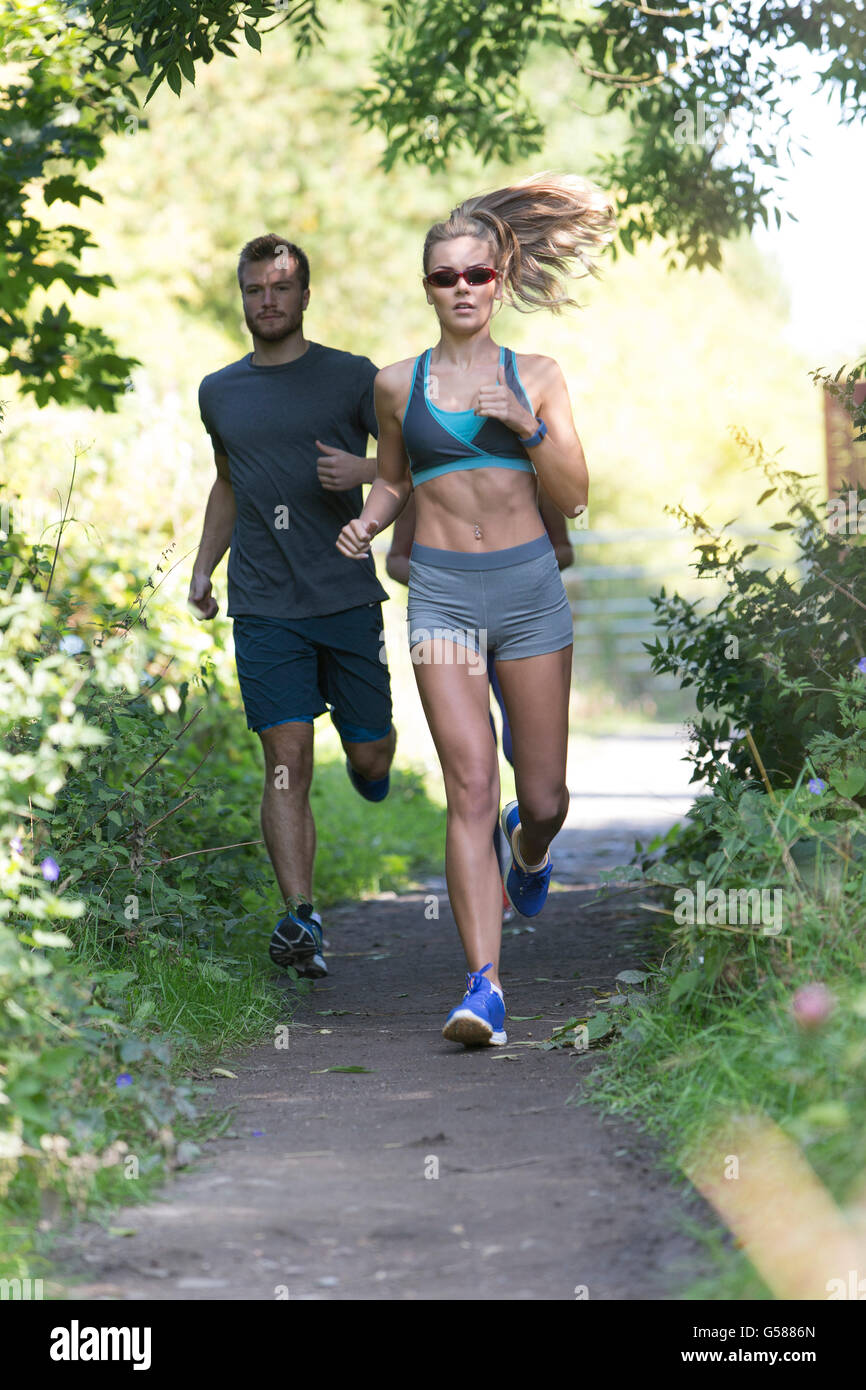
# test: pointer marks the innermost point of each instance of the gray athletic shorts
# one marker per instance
(511, 602)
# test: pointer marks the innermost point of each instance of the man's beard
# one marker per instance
(273, 330)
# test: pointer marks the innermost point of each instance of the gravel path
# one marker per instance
(439, 1172)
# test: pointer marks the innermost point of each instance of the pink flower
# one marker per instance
(812, 1005)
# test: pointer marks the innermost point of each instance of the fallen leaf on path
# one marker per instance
(524, 1018)
(505, 1057)
(122, 1231)
(321, 1070)
(222, 1071)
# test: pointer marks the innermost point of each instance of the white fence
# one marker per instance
(610, 600)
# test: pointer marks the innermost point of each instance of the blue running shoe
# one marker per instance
(479, 1020)
(370, 790)
(297, 942)
(527, 892)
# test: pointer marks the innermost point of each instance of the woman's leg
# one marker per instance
(506, 731)
(536, 690)
(455, 695)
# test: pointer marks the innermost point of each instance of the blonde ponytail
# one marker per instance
(541, 230)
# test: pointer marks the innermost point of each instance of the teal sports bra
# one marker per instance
(447, 441)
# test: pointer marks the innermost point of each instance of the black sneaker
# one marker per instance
(297, 942)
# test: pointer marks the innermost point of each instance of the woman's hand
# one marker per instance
(500, 403)
(355, 537)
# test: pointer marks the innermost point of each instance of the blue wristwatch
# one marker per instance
(534, 438)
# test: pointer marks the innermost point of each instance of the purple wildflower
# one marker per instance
(50, 869)
(817, 786)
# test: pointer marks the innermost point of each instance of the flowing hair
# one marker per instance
(542, 230)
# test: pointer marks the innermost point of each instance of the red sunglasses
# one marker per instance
(447, 279)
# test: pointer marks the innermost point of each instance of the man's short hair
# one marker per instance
(269, 247)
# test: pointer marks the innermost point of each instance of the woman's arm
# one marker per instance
(387, 497)
(558, 459)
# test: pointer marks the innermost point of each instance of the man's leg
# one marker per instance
(372, 759)
(355, 682)
(287, 820)
(277, 670)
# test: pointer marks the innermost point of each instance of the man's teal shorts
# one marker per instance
(296, 669)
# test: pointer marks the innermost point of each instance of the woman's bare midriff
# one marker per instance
(478, 509)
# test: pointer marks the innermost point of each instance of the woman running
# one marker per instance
(397, 566)
(474, 428)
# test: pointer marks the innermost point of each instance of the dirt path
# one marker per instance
(321, 1192)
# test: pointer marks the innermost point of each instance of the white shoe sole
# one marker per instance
(467, 1028)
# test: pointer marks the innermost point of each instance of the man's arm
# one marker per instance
(339, 471)
(397, 559)
(556, 528)
(219, 521)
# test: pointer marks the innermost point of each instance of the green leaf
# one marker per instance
(157, 81)
(847, 784)
(598, 1026)
(253, 37)
(126, 725)
(322, 1070)
(665, 873)
(684, 984)
(49, 938)
(187, 66)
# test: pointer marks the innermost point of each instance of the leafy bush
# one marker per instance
(757, 1003)
(64, 1045)
(129, 819)
(764, 659)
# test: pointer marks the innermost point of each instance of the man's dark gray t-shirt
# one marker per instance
(283, 561)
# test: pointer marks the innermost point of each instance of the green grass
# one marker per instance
(179, 994)
(681, 1069)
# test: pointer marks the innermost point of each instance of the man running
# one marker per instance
(289, 424)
